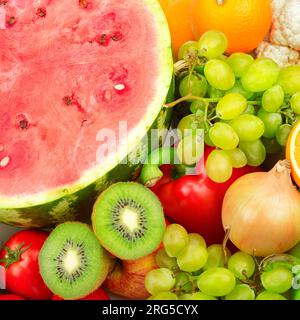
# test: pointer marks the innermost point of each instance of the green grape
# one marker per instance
(219, 74)
(197, 106)
(231, 106)
(190, 125)
(201, 296)
(250, 110)
(296, 294)
(277, 280)
(239, 62)
(260, 75)
(186, 296)
(273, 98)
(266, 295)
(175, 239)
(271, 145)
(194, 256)
(238, 158)
(242, 265)
(295, 102)
(187, 49)
(197, 240)
(164, 261)
(241, 292)
(255, 152)
(195, 85)
(216, 257)
(215, 93)
(286, 261)
(272, 122)
(248, 127)
(159, 280)
(219, 166)
(216, 282)
(212, 44)
(223, 136)
(208, 141)
(190, 149)
(238, 88)
(165, 295)
(289, 79)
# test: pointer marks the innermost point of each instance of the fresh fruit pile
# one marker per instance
(189, 270)
(247, 107)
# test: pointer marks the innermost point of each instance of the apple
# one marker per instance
(127, 278)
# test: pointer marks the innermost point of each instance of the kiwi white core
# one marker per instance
(71, 261)
(130, 218)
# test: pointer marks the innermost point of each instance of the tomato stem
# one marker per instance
(13, 256)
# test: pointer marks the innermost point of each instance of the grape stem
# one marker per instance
(209, 100)
(213, 118)
(190, 97)
(189, 79)
(287, 115)
(225, 241)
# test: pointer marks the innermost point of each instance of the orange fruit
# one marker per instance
(293, 152)
(245, 22)
(165, 3)
(178, 16)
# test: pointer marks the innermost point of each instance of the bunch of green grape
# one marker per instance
(246, 107)
(189, 270)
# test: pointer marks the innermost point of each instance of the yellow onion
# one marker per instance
(262, 212)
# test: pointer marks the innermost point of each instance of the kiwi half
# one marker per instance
(72, 262)
(128, 219)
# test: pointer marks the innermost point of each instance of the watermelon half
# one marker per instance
(70, 69)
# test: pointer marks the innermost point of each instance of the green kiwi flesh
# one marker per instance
(72, 262)
(129, 221)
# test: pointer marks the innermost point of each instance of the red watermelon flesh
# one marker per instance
(69, 68)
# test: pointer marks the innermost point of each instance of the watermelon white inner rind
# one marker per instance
(43, 166)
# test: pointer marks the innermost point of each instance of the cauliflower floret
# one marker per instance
(286, 25)
(280, 54)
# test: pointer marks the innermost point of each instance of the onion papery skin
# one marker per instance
(262, 211)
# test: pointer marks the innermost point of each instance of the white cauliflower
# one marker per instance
(283, 45)
(286, 23)
(282, 55)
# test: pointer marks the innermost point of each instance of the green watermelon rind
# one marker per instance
(75, 201)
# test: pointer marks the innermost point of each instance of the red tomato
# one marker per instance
(99, 294)
(9, 296)
(195, 201)
(20, 258)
